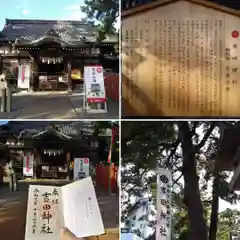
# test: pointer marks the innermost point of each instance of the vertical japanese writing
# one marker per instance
(156, 64)
(81, 165)
(210, 54)
(172, 90)
(46, 214)
(163, 229)
(207, 85)
(215, 67)
(35, 204)
(186, 105)
(160, 65)
(49, 199)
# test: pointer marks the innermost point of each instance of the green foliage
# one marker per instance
(100, 128)
(146, 145)
(104, 12)
(229, 221)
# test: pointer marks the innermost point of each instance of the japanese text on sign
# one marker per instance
(188, 67)
(44, 215)
(163, 229)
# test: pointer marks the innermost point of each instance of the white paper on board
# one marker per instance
(44, 213)
(81, 210)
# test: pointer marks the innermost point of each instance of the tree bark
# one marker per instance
(197, 223)
(214, 209)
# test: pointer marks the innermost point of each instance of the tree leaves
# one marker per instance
(146, 145)
(104, 12)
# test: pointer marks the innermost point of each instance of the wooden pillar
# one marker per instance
(68, 159)
(35, 163)
(69, 67)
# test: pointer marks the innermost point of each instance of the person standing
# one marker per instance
(71, 169)
(12, 176)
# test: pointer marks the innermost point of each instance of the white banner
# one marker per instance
(94, 84)
(164, 184)
(28, 159)
(81, 168)
(24, 75)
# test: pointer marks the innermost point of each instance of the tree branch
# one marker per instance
(205, 137)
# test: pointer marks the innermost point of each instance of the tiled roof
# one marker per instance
(30, 128)
(72, 33)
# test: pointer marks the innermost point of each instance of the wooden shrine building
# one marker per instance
(53, 145)
(51, 55)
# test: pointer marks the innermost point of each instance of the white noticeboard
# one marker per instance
(28, 159)
(164, 184)
(24, 76)
(81, 166)
(95, 100)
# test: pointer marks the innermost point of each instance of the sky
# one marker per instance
(41, 9)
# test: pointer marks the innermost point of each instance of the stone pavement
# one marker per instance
(54, 105)
(13, 211)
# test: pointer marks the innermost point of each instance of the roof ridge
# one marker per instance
(45, 21)
(158, 3)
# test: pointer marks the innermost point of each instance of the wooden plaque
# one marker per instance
(181, 59)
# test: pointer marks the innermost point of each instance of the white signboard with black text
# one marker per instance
(28, 159)
(74, 206)
(164, 184)
(81, 168)
(24, 75)
(95, 100)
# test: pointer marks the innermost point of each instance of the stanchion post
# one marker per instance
(3, 99)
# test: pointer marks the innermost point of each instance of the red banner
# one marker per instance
(114, 130)
(23, 73)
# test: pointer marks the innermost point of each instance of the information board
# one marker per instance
(95, 96)
(181, 59)
(81, 168)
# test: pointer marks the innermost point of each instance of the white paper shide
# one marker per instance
(164, 183)
(73, 206)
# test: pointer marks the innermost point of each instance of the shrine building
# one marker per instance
(53, 145)
(51, 55)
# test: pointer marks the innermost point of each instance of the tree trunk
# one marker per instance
(197, 223)
(214, 210)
